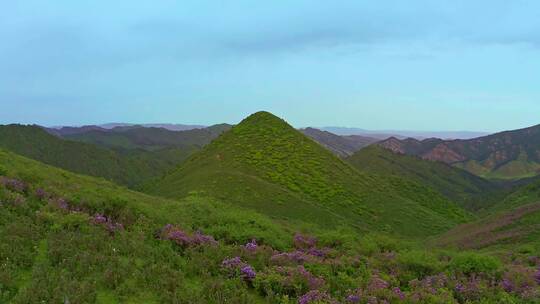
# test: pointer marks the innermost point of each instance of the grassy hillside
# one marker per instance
(265, 164)
(513, 221)
(460, 186)
(150, 139)
(130, 168)
(77, 239)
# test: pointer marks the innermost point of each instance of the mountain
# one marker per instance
(168, 126)
(62, 131)
(265, 164)
(128, 169)
(460, 186)
(401, 134)
(149, 138)
(506, 155)
(342, 146)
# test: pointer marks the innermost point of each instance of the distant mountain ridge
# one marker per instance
(506, 155)
(149, 138)
(342, 146)
(402, 134)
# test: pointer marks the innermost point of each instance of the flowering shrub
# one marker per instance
(183, 239)
(304, 242)
(251, 246)
(316, 296)
(290, 258)
(236, 267)
(13, 184)
(41, 194)
(288, 280)
(108, 223)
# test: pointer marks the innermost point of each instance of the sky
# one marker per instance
(408, 65)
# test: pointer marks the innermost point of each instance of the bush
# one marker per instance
(419, 263)
(473, 263)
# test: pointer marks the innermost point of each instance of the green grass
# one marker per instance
(265, 164)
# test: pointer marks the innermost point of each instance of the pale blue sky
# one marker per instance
(416, 65)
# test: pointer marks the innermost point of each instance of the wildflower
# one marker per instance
(378, 283)
(235, 266)
(304, 242)
(202, 239)
(295, 257)
(251, 246)
(507, 285)
(315, 296)
(537, 276)
(353, 298)
(248, 273)
(41, 194)
(13, 184)
(231, 263)
(398, 293)
(99, 219)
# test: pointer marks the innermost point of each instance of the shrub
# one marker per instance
(473, 263)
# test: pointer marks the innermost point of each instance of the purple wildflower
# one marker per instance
(378, 283)
(398, 293)
(353, 298)
(285, 258)
(232, 263)
(315, 296)
(251, 246)
(317, 252)
(459, 288)
(199, 238)
(537, 276)
(304, 242)
(13, 184)
(248, 273)
(99, 219)
(41, 194)
(507, 285)
(179, 237)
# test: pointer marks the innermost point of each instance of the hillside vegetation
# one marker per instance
(77, 239)
(265, 164)
(129, 168)
(469, 191)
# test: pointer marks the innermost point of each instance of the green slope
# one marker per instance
(510, 222)
(265, 164)
(462, 187)
(130, 168)
(52, 255)
(53, 249)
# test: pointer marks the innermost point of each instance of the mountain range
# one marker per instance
(506, 155)
(260, 212)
